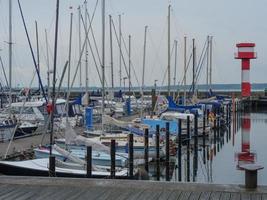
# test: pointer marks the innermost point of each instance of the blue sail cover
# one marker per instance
(180, 108)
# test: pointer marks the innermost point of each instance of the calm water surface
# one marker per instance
(251, 128)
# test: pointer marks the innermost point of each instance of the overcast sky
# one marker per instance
(228, 21)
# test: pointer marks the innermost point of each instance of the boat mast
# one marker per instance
(37, 46)
(120, 50)
(169, 51)
(143, 74)
(79, 29)
(86, 57)
(207, 51)
(54, 79)
(129, 64)
(210, 60)
(175, 68)
(111, 53)
(69, 66)
(185, 70)
(10, 55)
(48, 66)
(193, 54)
(103, 63)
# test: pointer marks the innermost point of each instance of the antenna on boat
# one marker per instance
(37, 50)
(185, 69)
(175, 68)
(86, 56)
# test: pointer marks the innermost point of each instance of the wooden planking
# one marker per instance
(174, 195)
(150, 194)
(264, 197)
(225, 196)
(205, 195)
(235, 196)
(245, 196)
(194, 196)
(215, 196)
(184, 195)
(165, 194)
(255, 196)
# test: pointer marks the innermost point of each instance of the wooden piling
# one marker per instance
(180, 150)
(157, 154)
(88, 162)
(188, 150)
(146, 149)
(112, 159)
(130, 155)
(204, 137)
(167, 145)
(52, 166)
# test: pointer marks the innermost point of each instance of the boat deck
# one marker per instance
(21, 188)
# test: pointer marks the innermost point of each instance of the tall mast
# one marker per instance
(207, 53)
(80, 44)
(175, 67)
(54, 79)
(111, 53)
(210, 61)
(194, 72)
(10, 55)
(48, 66)
(86, 56)
(143, 74)
(103, 62)
(120, 50)
(37, 46)
(129, 78)
(69, 66)
(169, 50)
(185, 63)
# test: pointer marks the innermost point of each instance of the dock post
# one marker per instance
(146, 149)
(52, 166)
(112, 159)
(208, 114)
(195, 163)
(204, 137)
(157, 153)
(88, 162)
(180, 150)
(188, 150)
(167, 161)
(130, 154)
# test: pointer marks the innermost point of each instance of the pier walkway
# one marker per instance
(21, 188)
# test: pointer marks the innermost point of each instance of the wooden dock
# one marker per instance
(21, 188)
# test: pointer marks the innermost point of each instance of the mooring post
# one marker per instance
(52, 166)
(204, 137)
(146, 149)
(251, 175)
(167, 161)
(188, 149)
(208, 114)
(88, 162)
(180, 150)
(195, 163)
(157, 154)
(130, 154)
(112, 158)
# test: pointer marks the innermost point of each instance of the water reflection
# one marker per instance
(226, 149)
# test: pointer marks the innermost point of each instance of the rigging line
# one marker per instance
(33, 57)
(82, 50)
(187, 67)
(166, 68)
(199, 72)
(156, 59)
(4, 72)
(131, 63)
(127, 73)
(90, 46)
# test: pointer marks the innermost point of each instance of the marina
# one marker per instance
(87, 118)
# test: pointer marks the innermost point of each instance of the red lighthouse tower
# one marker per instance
(245, 53)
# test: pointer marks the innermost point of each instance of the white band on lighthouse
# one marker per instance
(245, 76)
